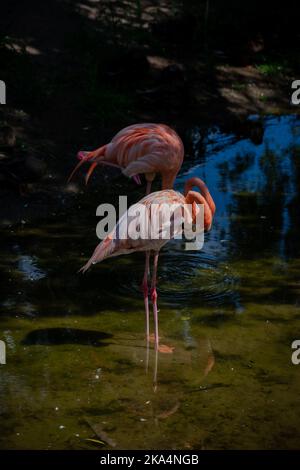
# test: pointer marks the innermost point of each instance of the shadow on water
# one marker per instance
(230, 311)
(54, 336)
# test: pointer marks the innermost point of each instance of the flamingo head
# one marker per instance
(85, 157)
(202, 197)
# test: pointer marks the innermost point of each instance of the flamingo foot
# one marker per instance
(162, 348)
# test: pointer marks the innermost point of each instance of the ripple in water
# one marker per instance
(184, 276)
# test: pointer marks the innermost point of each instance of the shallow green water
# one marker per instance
(76, 355)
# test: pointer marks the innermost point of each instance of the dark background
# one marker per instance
(77, 72)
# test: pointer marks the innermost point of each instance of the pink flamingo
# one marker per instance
(120, 240)
(141, 148)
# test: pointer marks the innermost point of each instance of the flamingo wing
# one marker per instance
(140, 148)
(126, 237)
(146, 148)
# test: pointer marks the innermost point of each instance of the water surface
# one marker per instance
(77, 366)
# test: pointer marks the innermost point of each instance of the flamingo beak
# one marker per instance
(83, 157)
(90, 171)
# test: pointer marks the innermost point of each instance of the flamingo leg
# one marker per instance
(155, 371)
(154, 299)
(146, 292)
(147, 357)
(145, 280)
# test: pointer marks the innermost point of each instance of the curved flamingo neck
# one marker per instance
(168, 180)
(197, 182)
(194, 198)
